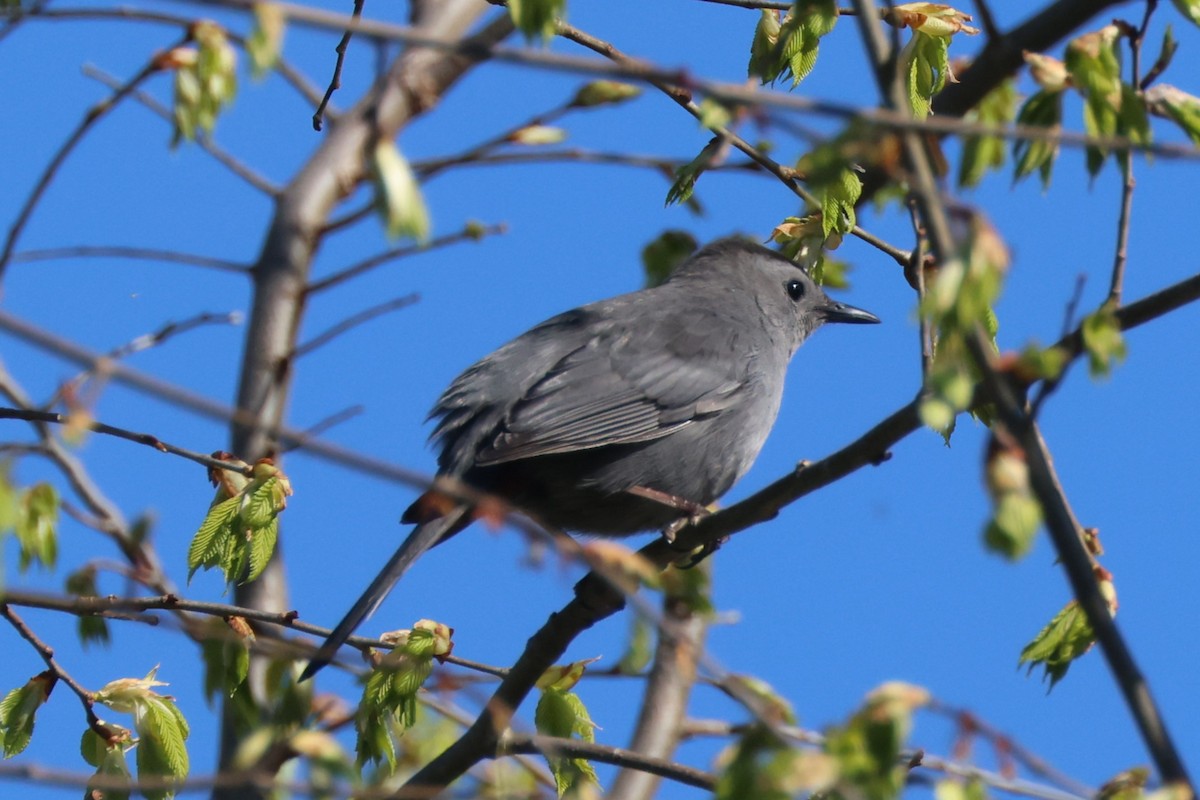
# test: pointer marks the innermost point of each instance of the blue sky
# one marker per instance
(881, 576)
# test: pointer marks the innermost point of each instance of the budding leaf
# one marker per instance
(1065, 638)
(18, 709)
(1103, 341)
(537, 17)
(397, 195)
(1042, 110)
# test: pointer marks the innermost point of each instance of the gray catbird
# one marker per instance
(615, 417)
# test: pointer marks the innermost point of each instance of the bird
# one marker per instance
(617, 417)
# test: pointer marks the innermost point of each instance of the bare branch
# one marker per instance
(46, 652)
(290, 74)
(986, 20)
(90, 118)
(121, 433)
(206, 407)
(626, 759)
(683, 97)
(202, 138)
(471, 232)
(665, 698)
(335, 82)
(1068, 539)
(351, 322)
(118, 251)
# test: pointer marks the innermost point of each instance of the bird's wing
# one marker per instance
(627, 383)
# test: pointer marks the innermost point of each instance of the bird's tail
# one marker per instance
(423, 537)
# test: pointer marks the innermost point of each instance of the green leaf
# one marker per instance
(955, 789)
(687, 175)
(599, 93)
(397, 195)
(109, 761)
(838, 198)
(1178, 106)
(1037, 363)
(262, 546)
(867, 748)
(536, 135)
(927, 62)
(789, 47)
(9, 501)
(210, 540)
(537, 17)
(759, 766)
(226, 664)
(264, 44)
(764, 63)
(92, 628)
(1110, 108)
(1043, 110)
(162, 731)
(36, 527)
(563, 714)
(1127, 785)
(389, 698)
(1065, 638)
(1189, 8)
(714, 114)
(1011, 530)
(18, 710)
(639, 649)
(205, 80)
(984, 153)
(1103, 341)
(1166, 53)
(661, 256)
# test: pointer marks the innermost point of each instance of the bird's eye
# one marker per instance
(795, 289)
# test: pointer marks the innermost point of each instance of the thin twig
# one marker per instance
(555, 747)
(1077, 562)
(683, 97)
(202, 138)
(1006, 746)
(70, 387)
(987, 21)
(47, 655)
(472, 232)
(290, 74)
(184, 399)
(331, 421)
(121, 433)
(335, 82)
(1051, 385)
(740, 94)
(1125, 216)
(119, 251)
(85, 606)
(90, 118)
(1064, 529)
(351, 322)
(924, 329)
(928, 762)
(108, 517)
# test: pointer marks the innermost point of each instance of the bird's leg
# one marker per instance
(694, 511)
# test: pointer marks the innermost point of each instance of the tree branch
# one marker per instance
(202, 138)
(90, 118)
(140, 253)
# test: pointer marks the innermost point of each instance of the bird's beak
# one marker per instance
(841, 312)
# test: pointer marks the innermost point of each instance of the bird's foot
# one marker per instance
(694, 511)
